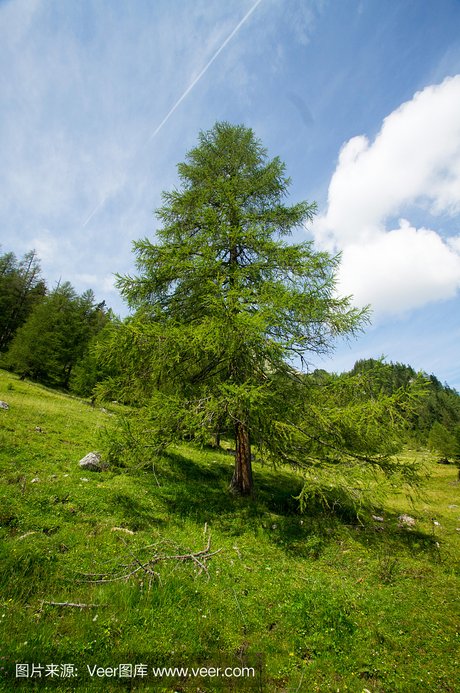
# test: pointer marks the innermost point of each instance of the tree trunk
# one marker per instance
(242, 475)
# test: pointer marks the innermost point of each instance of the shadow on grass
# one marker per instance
(136, 513)
(200, 490)
(396, 538)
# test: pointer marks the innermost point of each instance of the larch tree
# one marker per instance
(225, 309)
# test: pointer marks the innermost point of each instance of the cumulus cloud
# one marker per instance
(413, 165)
(400, 269)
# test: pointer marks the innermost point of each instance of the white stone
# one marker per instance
(92, 462)
(406, 521)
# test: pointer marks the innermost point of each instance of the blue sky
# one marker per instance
(360, 98)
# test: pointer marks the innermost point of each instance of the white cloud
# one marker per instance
(399, 270)
(413, 163)
(47, 246)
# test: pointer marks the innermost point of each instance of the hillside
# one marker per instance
(111, 568)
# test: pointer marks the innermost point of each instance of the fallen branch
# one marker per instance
(72, 604)
(139, 566)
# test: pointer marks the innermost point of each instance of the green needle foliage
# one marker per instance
(445, 442)
(226, 311)
(21, 289)
(54, 337)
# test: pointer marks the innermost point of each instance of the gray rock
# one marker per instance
(92, 462)
(4, 405)
(406, 521)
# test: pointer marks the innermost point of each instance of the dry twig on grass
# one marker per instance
(71, 604)
(140, 567)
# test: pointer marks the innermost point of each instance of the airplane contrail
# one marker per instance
(185, 94)
(204, 70)
(96, 209)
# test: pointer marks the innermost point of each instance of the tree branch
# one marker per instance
(200, 558)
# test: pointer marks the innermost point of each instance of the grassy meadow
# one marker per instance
(110, 568)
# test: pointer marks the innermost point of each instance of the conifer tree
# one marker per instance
(224, 306)
(445, 442)
(54, 337)
(21, 288)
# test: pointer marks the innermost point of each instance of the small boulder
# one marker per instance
(4, 405)
(406, 521)
(92, 462)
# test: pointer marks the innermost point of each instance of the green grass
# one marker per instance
(327, 602)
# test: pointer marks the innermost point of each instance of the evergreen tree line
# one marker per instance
(46, 335)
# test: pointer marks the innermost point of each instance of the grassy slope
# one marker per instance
(331, 604)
